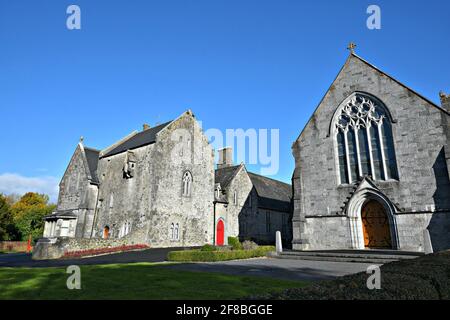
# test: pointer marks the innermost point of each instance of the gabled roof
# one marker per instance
(224, 176)
(92, 156)
(138, 140)
(273, 194)
(400, 83)
(353, 55)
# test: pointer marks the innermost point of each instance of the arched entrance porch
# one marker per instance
(372, 221)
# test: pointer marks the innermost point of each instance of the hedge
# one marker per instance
(211, 256)
(234, 243)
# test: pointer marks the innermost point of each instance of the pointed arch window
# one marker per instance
(174, 232)
(177, 232)
(187, 184)
(364, 141)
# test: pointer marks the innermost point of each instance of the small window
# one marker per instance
(111, 202)
(268, 222)
(129, 165)
(125, 229)
(218, 191)
(177, 232)
(187, 184)
(235, 199)
(172, 232)
(248, 201)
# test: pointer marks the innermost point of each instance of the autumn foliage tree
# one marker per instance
(28, 215)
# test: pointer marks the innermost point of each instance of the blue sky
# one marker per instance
(236, 64)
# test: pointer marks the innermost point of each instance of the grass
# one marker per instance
(133, 281)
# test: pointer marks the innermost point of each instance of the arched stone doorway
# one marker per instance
(368, 202)
(375, 225)
(220, 233)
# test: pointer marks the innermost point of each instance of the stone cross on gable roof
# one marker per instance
(351, 47)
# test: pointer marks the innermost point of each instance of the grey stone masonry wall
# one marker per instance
(153, 197)
(194, 214)
(55, 248)
(237, 213)
(245, 218)
(122, 200)
(420, 139)
(74, 184)
(76, 193)
(260, 224)
(445, 103)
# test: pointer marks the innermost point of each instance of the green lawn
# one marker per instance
(133, 281)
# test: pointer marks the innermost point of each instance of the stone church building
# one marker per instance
(254, 206)
(160, 187)
(371, 171)
(372, 166)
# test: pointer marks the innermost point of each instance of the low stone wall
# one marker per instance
(14, 246)
(55, 248)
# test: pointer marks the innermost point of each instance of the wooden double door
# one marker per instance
(375, 223)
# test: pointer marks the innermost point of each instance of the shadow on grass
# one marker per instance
(133, 281)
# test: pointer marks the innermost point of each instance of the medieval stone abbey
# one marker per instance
(371, 171)
(159, 187)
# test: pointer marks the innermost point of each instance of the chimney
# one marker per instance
(225, 158)
(145, 126)
(445, 101)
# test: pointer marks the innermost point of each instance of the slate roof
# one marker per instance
(92, 156)
(273, 194)
(140, 139)
(225, 175)
(61, 214)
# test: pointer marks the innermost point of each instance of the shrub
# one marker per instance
(208, 247)
(211, 256)
(234, 243)
(249, 245)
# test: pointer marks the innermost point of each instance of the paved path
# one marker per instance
(24, 259)
(276, 268)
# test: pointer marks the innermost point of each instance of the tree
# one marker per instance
(12, 198)
(7, 228)
(28, 214)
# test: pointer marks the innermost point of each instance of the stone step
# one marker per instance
(375, 256)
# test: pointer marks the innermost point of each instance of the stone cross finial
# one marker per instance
(351, 47)
(81, 139)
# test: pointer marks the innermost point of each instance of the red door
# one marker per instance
(220, 233)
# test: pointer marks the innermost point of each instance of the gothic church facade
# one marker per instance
(372, 167)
